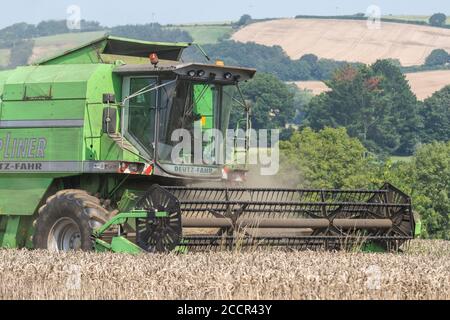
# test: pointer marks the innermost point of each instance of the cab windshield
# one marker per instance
(192, 107)
(154, 116)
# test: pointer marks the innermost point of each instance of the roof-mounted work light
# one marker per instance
(154, 58)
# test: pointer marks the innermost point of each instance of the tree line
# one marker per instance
(373, 102)
(268, 59)
(436, 20)
(347, 136)
(376, 105)
(25, 31)
(330, 158)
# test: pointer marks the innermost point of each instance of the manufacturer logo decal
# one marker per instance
(22, 148)
(20, 166)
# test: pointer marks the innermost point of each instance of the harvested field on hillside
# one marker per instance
(348, 40)
(423, 272)
(315, 87)
(423, 84)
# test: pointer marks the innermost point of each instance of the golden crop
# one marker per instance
(422, 272)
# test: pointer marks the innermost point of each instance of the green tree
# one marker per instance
(22, 31)
(374, 103)
(355, 103)
(245, 20)
(17, 31)
(432, 188)
(403, 108)
(395, 62)
(426, 178)
(51, 27)
(329, 158)
(272, 102)
(151, 32)
(438, 19)
(436, 116)
(21, 53)
(398, 173)
(301, 100)
(437, 57)
(311, 59)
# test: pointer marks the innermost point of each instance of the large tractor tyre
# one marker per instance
(67, 220)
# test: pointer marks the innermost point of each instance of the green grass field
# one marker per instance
(412, 17)
(203, 34)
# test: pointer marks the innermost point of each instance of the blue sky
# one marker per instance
(114, 12)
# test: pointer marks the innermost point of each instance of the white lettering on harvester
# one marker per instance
(22, 148)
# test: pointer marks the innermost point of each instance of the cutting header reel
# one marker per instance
(194, 218)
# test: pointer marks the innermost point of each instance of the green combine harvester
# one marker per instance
(86, 163)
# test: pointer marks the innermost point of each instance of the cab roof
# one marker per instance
(209, 72)
(108, 49)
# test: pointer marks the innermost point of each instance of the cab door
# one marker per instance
(140, 113)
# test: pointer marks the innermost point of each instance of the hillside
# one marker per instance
(46, 47)
(348, 40)
(422, 18)
(207, 33)
(423, 84)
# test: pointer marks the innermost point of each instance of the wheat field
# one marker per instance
(421, 272)
(348, 40)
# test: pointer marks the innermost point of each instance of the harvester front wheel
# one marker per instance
(67, 221)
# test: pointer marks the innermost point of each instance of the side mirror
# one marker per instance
(109, 98)
(109, 120)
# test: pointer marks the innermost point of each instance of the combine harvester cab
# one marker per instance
(86, 144)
